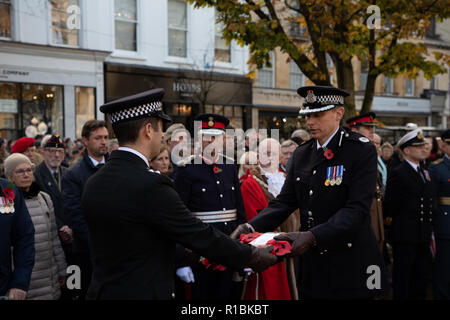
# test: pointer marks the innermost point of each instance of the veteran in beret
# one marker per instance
(408, 201)
(331, 179)
(135, 216)
(440, 178)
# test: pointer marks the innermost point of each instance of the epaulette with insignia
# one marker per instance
(438, 161)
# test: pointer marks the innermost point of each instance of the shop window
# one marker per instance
(409, 87)
(266, 74)
(42, 109)
(209, 108)
(5, 18)
(296, 76)
(388, 85)
(62, 30)
(9, 110)
(222, 50)
(84, 107)
(125, 20)
(182, 110)
(177, 18)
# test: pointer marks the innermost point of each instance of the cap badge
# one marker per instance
(419, 136)
(310, 97)
(211, 122)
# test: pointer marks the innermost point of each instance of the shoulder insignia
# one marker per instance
(364, 139)
(438, 161)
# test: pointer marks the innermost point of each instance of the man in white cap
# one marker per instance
(408, 201)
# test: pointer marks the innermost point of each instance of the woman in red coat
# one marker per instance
(271, 284)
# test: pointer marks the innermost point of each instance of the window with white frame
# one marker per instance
(363, 75)
(266, 74)
(296, 76)
(125, 21)
(330, 67)
(409, 87)
(388, 85)
(5, 18)
(177, 20)
(65, 29)
(222, 50)
(434, 85)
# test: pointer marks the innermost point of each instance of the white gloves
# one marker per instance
(185, 274)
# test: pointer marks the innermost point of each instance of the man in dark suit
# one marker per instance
(135, 217)
(95, 138)
(209, 187)
(408, 201)
(331, 179)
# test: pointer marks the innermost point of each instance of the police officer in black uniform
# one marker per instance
(209, 186)
(440, 178)
(331, 180)
(409, 202)
(135, 216)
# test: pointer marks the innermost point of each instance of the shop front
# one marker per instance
(45, 90)
(276, 109)
(187, 92)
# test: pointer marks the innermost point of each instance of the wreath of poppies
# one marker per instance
(280, 248)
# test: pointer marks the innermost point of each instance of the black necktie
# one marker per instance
(100, 165)
(55, 175)
(421, 174)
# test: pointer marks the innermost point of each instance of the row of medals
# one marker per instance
(333, 182)
(6, 206)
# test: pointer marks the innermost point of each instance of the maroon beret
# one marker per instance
(22, 145)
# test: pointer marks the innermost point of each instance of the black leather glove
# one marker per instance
(301, 241)
(261, 258)
(242, 228)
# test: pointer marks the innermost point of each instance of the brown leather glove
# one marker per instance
(242, 228)
(301, 241)
(261, 258)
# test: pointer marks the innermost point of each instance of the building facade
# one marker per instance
(60, 60)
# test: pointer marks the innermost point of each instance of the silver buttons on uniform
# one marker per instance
(445, 213)
(349, 244)
(311, 192)
(314, 172)
(232, 188)
(310, 213)
(298, 179)
(204, 190)
(218, 182)
(221, 195)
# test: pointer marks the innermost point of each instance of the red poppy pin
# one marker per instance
(9, 192)
(204, 261)
(328, 153)
(216, 170)
(249, 237)
(280, 248)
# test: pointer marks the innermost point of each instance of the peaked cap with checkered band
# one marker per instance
(320, 98)
(141, 105)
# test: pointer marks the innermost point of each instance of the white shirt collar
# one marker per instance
(50, 169)
(326, 142)
(95, 162)
(140, 155)
(412, 164)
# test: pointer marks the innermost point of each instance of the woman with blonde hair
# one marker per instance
(161, 162)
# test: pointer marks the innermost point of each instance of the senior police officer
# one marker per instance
(440, 178)
(365, 125)
(331, 180)
(135, 217)
(209, 186)
(408, 201)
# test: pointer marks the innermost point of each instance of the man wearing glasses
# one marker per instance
(49, 175)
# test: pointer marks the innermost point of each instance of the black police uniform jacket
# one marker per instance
(440, 178)
(339, 266)
(408, 201)
(135, 217)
